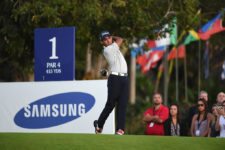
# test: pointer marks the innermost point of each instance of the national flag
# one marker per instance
(169, 38)
(173, 34)
(161, 48)
(161, 41)
(135, 51)
(192, 36)
(152, 61)
(142, 42)
(211, 27)
(142, 59)
(149, 59)
(155, 54)
(181, 52)
(223, 72)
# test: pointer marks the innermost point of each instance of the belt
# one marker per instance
(119, 74)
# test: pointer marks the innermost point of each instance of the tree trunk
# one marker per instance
(100, 63)
(88, 58)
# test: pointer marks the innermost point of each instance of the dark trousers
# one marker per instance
(117, 97)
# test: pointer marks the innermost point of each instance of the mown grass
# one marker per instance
(52, 141)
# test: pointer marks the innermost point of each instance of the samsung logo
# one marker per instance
(54, 110)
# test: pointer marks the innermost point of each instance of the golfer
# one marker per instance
(117, 83)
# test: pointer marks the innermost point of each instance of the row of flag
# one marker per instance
(149, 59)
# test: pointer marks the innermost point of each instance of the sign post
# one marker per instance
(54, 54)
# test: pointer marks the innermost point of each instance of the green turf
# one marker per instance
(43, 141)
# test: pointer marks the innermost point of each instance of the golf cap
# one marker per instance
(104, 34)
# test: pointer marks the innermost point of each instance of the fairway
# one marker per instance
(38, 141)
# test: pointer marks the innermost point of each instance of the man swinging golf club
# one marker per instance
(117, 83)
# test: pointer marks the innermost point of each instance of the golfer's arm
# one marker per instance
(118, 40)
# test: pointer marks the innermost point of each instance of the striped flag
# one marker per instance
(164, 41)
(151, 58)
(211, 27)
(192, 36)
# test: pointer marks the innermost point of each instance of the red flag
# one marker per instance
(142, 60)
(217, 27)
(152, 60)
(212, 27)
(181, 52)
(151, 44)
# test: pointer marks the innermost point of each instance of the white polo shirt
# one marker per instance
(115, 58)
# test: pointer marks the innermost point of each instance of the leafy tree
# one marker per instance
(19, 18)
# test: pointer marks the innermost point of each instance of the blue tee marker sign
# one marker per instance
(54, 54)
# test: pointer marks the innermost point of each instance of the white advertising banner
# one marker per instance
(53, 107)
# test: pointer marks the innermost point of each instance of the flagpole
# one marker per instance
(206, 60)
(199, 66)
(199, 61)
(185, 77)
(177, 77)
(165, 64)
(159, 74)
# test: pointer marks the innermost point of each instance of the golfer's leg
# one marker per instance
(111, 101)
(122, 105)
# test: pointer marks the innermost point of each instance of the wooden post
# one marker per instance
(133, 80)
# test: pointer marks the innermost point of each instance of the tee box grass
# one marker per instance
(59, 141)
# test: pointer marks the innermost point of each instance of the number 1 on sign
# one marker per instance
(53, 40)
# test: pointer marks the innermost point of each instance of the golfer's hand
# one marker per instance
(104, 72)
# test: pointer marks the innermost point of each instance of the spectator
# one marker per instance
(172, 126)
(220, 123)
(212, 126)
(200, 121)
(193, 109)
(220, 97)
(155, 117)
(203, 95)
